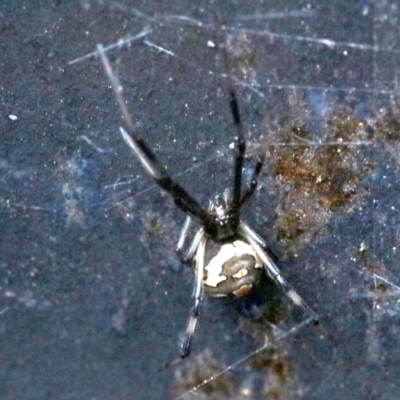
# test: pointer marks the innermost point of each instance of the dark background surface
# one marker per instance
(93, 298)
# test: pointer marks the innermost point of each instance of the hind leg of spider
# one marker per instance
(273, 272)
(198, 298)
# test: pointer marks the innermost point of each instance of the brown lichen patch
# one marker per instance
(320, 177)
(153, 223)
(198, 369)
(267, 374)
(259, 328)
(387, 125)
(159, 234)
(379, 288)
(300, 218)
(386, 130)
(372, 267)
(272, 364)
(154, 228)
(278, 375)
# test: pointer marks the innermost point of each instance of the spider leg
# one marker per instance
(154, 168)
(239, 141)
(273, 271)
(254, 178)
(252, 234)
(198, 297)
(185, 258)
(261, 242)
(240, 147)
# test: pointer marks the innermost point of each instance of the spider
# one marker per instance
(228, 257)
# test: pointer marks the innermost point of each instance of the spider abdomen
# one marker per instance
(232, 269)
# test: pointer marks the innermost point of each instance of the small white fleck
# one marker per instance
(329, 43)
(365, 11)
(13, 117)
(240, 274)
(211, 44)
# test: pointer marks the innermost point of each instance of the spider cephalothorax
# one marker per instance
(223, 219)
